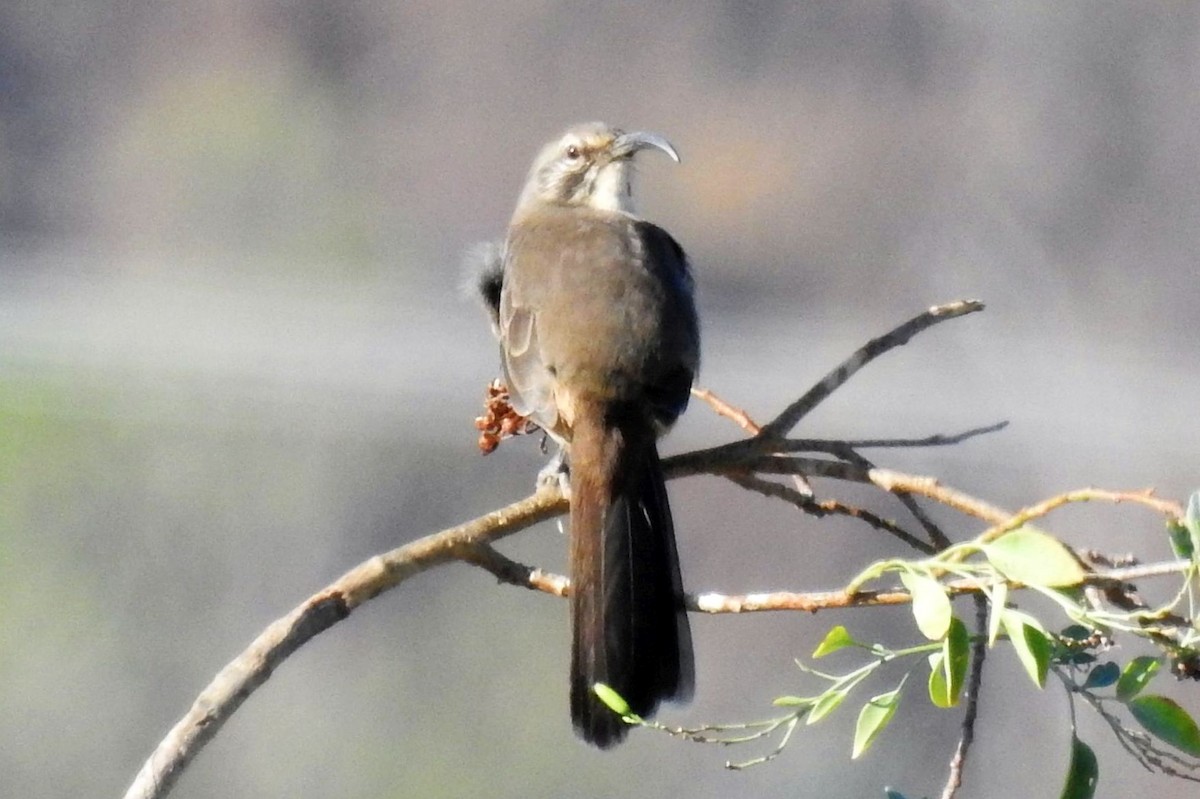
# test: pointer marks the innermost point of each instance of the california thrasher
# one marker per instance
(600, 344)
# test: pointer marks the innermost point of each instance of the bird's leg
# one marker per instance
(556, 473)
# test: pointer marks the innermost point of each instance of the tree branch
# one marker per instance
(784, 422)
(512, 572)
(738, 461)
(469, 542)
(813, 601)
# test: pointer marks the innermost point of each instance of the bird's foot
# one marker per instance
(556, 474)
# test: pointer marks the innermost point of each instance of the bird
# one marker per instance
(600, 345)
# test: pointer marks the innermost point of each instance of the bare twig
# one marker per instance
(784, 422)
(845, 450)
(718, 461)
(723, 408)
(813, 601)
(746, 448)
(743, 420)
(1172, 510)
(974, 682)
(513, 573)
(900, 483)
(740, 458)
(826, 507)
(937, 440)
(509, 571)
(937, 538)
(742, 452)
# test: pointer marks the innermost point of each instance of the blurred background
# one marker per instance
(236, 359)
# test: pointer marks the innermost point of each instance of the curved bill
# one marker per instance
(629, 143)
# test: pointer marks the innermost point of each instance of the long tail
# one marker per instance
(627, 616)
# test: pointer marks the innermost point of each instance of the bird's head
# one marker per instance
(590, 165)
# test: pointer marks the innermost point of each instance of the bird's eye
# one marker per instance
(572, 152)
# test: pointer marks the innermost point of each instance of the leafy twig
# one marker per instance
(971, 711)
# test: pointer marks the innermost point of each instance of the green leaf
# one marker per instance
(1136, 675)
(1076, 632)
(998, 596)
(827, 703)
(615, 702)
(958, 650)
(835, 639)
(1181, 539)
(1191, 520)
(930, 604)
(793, 701)
(1168, 722)
(873, 717)
(1103, 675)
(1032, 557)
(939, 684)
(949, 669)
(1031, 645)
(1083, 773)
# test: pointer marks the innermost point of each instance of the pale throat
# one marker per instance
(613, 188)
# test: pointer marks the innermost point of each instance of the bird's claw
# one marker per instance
(556, 474)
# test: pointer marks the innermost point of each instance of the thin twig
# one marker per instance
(710, 461)
(724, 409)
(744, 421)
(784, 422)
(936, 440)
(703, 462)
(813, 601)
(974, 682)
(743, 450)
(937, 538)
(509, 571)
(1172, 510)
(512, 572)
(832, 446)
(826, 507)
(729, 459)
(900, 483)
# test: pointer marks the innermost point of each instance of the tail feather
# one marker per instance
(629, 626)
